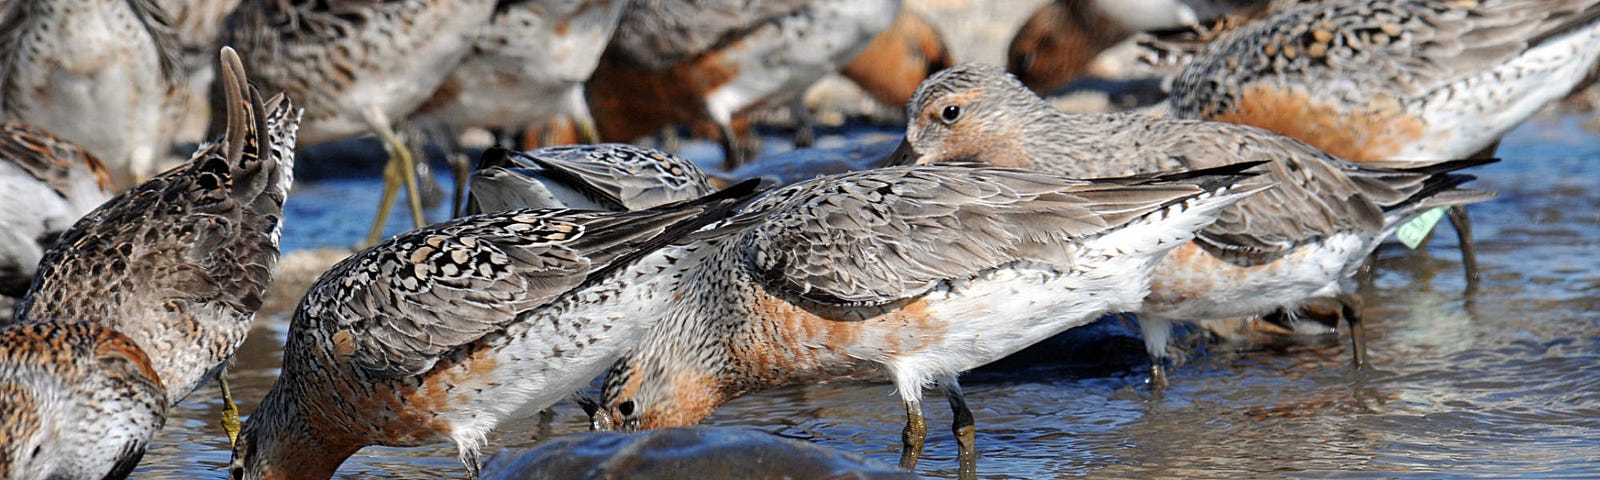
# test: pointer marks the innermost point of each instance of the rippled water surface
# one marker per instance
(1503, 384)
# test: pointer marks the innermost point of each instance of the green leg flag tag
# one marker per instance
(1412, 233)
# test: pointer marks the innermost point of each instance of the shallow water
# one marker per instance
(1504, 384)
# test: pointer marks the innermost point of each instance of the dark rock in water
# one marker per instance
(690, 452)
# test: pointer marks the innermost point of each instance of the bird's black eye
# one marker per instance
(950, 113)
(626, 408)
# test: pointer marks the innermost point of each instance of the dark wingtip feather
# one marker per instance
(1440, 190)
(1205, 178)
(1432, 167)
(496, 156)
(741, 191)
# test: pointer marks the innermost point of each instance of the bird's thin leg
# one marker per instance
(391, 183)
(461, 167)
(1368, 270)
(670, 142)
(804, 134)
(1350, 309)
(230, 410)
(408, 170)
(965, 431)
(400, 168)
(1158, 373)
(912, 437)
(1469, 251)
(1157, 332)
(1463, 226)
(733, 153)
(582, 118)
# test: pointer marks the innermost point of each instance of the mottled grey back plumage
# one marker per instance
(181, 262)
(56, 162)
(408, 301)
(616, 176)
(1413, 46)
(879, 236)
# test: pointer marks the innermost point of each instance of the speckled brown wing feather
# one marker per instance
(1412, 45)
(660, 33)
(402, 304)
(48, 157)
(257, 22)
(874, 237)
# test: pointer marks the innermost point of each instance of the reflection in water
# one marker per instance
(1503, 385)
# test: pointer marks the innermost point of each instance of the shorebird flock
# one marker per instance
(1299, 136)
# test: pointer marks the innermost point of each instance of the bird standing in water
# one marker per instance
(1270, 252)
(913, 274)
(443, 333)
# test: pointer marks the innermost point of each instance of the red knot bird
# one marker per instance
(50, 183)
(1396, 80)
(912, 274)
(357, 65)
(103, 74)
(1272, 251)
(611, 176)
(442, 333)
(684, 62)
(77, 400)
(180, 263)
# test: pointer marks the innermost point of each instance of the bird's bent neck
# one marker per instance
(290, 441)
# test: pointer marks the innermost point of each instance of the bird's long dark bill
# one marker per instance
(903, 155)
